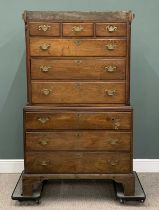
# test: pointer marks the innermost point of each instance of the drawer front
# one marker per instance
(44, 29)
(77, 162)
(111, 29)
(78, 29)
(78, 92)
(78, 120)
(78, 69)
(77, 47)
(78, 140)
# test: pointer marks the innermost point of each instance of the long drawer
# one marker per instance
(78, 92)
(77, 47)
(78, 140)
(78, 68)
(77, 162)
(77, 120)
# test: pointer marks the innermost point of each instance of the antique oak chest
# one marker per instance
(78, 122)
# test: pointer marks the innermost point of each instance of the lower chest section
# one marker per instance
(78, 141)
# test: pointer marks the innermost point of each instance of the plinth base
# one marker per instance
(17, 192)
(139, 192)
(119, 192)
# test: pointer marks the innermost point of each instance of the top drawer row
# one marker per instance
(77, 29)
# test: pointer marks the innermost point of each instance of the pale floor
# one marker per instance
(79, 195)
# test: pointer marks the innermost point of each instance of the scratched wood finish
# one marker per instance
(118, 29)
(78, 140)
(77, 29)
(78, 120)
(75, 69)
(77, 162)
(52, 29)
(77, 47)
(78, 92)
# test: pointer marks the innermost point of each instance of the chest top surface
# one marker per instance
(65, 16)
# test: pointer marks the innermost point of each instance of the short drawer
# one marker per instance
(78, 140)
(85, 69)
(77, 47)
(78, 120)
(44, 29)
(77, 162)
(111, 29)
(78, 29)
(78, 92)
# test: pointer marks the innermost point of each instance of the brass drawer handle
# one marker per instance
(45, 46)
(116, 123)
(44, 28)
(46, 91)
(45, 68)
(111, 46)
(110, 92)
(44, 163)
(110, 68)
(111, 28)
(113, 162)
(77, 28)
(113, 141)
(43, 120)
(43, 142)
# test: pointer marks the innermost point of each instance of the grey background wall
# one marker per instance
(144, 69)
